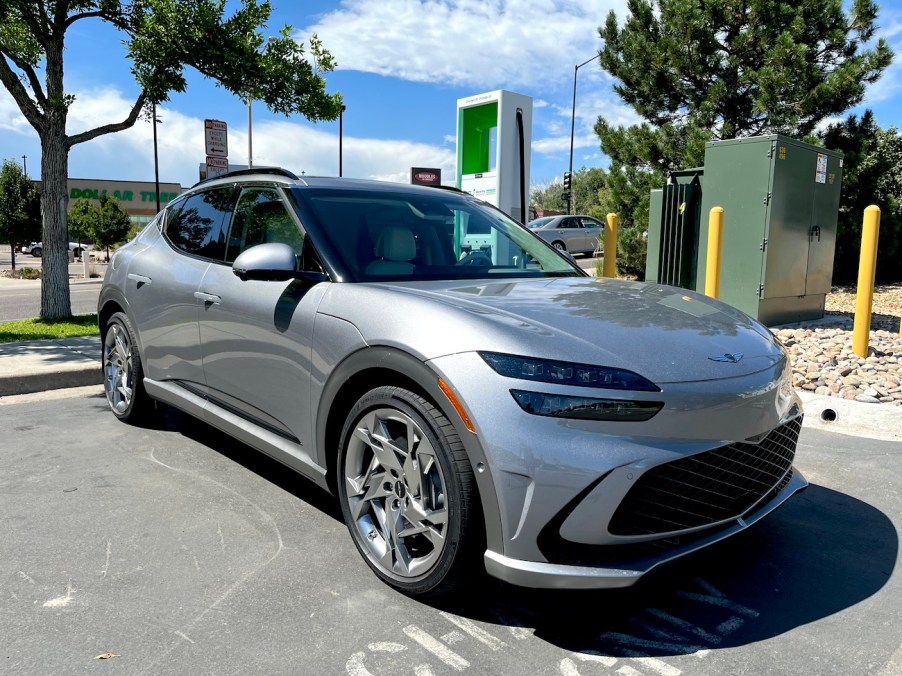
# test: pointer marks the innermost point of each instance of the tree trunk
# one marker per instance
(55, 298)
(12, 253)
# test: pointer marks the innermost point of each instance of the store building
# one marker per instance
(138, 198)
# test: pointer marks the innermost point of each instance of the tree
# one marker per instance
(20, 208)
(699, 71)
(872, 174)
(585, 186)
(105, 225)
(162, 37)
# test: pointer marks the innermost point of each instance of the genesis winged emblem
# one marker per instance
(732, 358)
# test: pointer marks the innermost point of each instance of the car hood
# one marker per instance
(664, 333)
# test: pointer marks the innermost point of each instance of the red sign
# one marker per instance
(216, 166)
(216, 137)
(425, 176)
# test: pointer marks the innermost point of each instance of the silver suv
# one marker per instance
(472, 398)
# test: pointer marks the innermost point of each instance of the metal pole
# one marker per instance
(250, 135)
(156, 160)
(24, 166)
(573, 126)
(340, 137)
(867, 268)
(715, 251)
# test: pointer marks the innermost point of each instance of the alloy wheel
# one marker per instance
(117, 368)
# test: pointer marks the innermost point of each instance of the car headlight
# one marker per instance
(566, 373)
(585, 408)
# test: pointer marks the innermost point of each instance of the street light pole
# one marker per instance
(24, 166)
(250, 135)
(573, 124)
(340, 137)
(156, 160)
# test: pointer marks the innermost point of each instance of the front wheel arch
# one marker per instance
(359, 373)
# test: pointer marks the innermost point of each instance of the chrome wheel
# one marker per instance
(119, 374)
(395, 493)
(559, 246)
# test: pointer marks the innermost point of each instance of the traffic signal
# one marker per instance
(567, 177)
(566, 196)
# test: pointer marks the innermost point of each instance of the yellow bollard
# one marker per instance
(867, 267)
(715, 252)
(610, 247)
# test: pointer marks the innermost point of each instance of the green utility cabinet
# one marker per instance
(781, 199)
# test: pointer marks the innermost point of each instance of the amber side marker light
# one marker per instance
(457, 405)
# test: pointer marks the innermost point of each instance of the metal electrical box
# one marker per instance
(780, 199)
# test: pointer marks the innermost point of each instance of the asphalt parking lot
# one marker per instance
(178, 550)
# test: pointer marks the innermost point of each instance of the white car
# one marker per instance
(36, 249)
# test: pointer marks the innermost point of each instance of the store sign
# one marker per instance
(425, 176)
(216, 138)
(120, 195)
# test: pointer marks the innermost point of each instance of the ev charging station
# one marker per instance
(494, 137)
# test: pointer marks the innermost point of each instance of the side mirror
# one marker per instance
(273, 262)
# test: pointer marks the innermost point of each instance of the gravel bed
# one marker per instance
(822, 357)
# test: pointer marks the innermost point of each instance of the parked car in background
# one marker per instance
(471, 397)
(36, 249)
(575, 234)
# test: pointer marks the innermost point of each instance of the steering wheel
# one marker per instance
(475, 258)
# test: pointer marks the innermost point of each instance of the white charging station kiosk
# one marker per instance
(494, 136)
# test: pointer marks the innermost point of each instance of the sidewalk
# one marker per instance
(41, 365)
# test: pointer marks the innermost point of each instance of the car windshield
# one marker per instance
(426, 235)
(539, 222)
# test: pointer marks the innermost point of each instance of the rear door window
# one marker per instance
(199, 228)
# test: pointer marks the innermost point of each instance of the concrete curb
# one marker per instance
(58, 379)
(36, 366)
(832, 414)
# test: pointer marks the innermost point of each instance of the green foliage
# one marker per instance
(707, 71)
(872, 174)
(20, 207)
(105, 225)
(163, 38)
(37, 329)
(585, 186)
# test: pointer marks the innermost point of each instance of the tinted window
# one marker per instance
(200, 225)
(590, 223)
(261, 217)
(568, 223)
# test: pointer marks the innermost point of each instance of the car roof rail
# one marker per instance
(275, 171)
(452, 188)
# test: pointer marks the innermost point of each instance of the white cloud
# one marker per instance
(128, 155)
(478, 43)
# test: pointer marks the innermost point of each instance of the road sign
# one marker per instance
(216, 136)
(217, 166)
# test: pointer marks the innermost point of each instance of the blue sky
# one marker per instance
(402, 65)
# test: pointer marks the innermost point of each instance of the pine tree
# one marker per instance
(697, 70)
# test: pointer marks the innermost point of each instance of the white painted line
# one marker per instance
(178, 633)
(387, 647)
(729, 626)
(710, 588)
(683, 624)
(106, 566)
(722, 602)
(453, 637)
(422, 670)
(61, 601)
(354, 665)
(627, 670)
(436, 647)
(626, 639)
(568, 667)
(592, 656)
(475, 631)
(658, 666)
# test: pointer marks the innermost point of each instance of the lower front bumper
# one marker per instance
(544, 575)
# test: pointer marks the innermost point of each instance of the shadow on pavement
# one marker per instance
(818, 555)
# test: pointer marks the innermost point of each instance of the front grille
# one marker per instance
(708, 487)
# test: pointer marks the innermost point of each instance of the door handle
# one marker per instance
(140, 279)
(208, 297)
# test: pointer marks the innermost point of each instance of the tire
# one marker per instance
(37, 252)
(430, 493)
(559, 245)
(123, 375)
